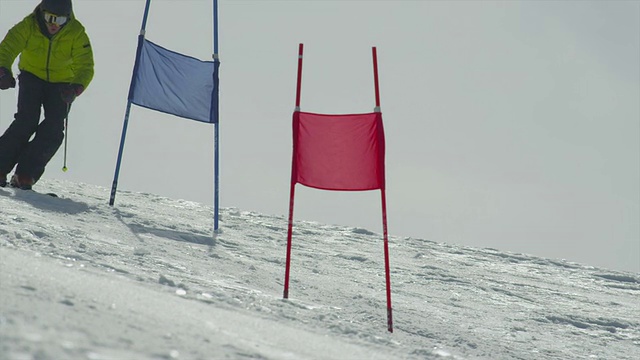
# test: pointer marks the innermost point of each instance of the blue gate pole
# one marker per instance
(216, 126)
(114, 186)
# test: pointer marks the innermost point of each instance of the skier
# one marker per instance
(56, 66)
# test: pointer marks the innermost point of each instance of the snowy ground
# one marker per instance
(146, 279)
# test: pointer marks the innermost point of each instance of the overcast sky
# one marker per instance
(512, 125)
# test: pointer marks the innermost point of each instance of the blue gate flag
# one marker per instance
(175, 84)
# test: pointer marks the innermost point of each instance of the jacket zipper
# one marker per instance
(49, 59)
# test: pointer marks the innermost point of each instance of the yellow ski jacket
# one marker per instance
(66, 57)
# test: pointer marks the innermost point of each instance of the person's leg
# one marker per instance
(49, 135)
(16, 138)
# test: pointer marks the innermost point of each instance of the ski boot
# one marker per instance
(21, 181)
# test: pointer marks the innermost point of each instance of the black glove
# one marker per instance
(69, 92)
(6, 79)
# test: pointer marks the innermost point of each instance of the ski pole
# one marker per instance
(66, 133)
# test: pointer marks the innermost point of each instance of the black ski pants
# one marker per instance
(16, 146)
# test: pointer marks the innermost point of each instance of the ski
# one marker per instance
(51, 194)
(41, 193)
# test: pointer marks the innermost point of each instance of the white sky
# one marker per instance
(512, 125)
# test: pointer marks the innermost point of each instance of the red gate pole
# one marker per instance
(299, 77)
(293, 177)
(384, 203)
(386, 260)
(289, 233)
(375, 78)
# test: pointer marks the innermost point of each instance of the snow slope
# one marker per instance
(147, 279)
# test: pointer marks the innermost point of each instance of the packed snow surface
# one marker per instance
(149, 279)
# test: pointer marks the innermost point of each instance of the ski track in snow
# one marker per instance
(147, 279)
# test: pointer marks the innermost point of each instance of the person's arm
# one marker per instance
(13, 43)
(82, 60)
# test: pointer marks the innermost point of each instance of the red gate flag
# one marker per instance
(338, 152)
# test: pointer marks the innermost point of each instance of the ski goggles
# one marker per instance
(50, 18)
